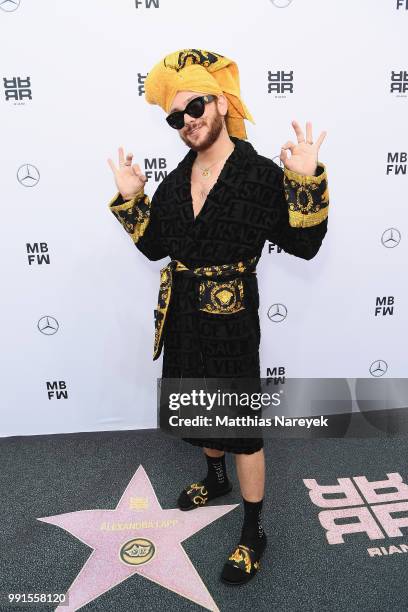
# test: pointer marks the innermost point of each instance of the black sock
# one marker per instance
(252, 534)
(216, 482)
(217, 473)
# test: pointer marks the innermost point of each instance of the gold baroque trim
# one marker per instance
(306, 179)
(299, 219)
(242, 558)
(133, 214)
(125, 203)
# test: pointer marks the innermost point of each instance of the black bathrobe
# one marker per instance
(210, 327)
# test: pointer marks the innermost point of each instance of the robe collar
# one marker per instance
(242, 152)
(226, 186)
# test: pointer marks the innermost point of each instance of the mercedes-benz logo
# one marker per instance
(9, 5)
(281, 3)
(391, 237)
(48, 325)
(277, 313)
(28, 175)
(378, 368)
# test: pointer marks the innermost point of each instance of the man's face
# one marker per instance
(198, 134)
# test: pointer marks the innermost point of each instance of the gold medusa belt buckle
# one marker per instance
(221, 297)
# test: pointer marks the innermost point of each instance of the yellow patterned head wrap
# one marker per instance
(203, 72)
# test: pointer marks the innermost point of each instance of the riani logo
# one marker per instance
(384, 306)
(37, 253)
(57, 390)
(17, 89)
(147, 4)
(399, 83)
(280, 83)
(276, 375)
(156, 168)
(140, 83)
(364, 508)
(397, 163)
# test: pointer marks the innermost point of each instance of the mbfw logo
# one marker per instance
(147, 4)
(399, 82)
(273, 248)
(155, 168)
(391, 238)
(378, 368)
(37, 252)
(28, 175)
(276, 375)
(48, 325)
(9, 5)
(57, 390)
(17, 89)
(140, 83)
(280, 83)
(397, 163)
(356, 511)
(277, 313)
(402, 4)
(384, 306)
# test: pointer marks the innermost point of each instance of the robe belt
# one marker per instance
(223, 295)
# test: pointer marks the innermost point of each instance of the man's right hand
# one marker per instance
(129, 178)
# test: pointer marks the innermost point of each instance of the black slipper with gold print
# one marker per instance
(199, 494)
(243, 563)
(214, 485)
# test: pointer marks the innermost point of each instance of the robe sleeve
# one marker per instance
(299, 216)
(138, 217)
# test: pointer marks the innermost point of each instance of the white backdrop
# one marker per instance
(85, 62)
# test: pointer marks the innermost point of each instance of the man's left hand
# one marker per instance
(303, 158)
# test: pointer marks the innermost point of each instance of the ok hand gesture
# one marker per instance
(303, 158)
(129, 179)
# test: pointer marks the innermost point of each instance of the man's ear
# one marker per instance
(222, 104)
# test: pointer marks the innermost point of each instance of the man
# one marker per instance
(212, 215)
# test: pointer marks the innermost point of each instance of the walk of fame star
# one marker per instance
(137, 537)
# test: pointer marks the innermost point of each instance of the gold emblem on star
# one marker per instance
(137, 551)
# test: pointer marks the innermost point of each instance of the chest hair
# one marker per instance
(201, 186)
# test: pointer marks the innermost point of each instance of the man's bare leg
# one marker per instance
(251, 475)
(244, 562)
(213, 452)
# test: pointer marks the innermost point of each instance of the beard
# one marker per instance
(215, 125)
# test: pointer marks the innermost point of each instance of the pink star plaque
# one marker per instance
(137, 537)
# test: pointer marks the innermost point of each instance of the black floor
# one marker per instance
(47, 475)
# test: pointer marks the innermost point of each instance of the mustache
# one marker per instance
(194, 127)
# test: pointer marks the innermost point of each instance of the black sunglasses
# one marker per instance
(195, 108)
